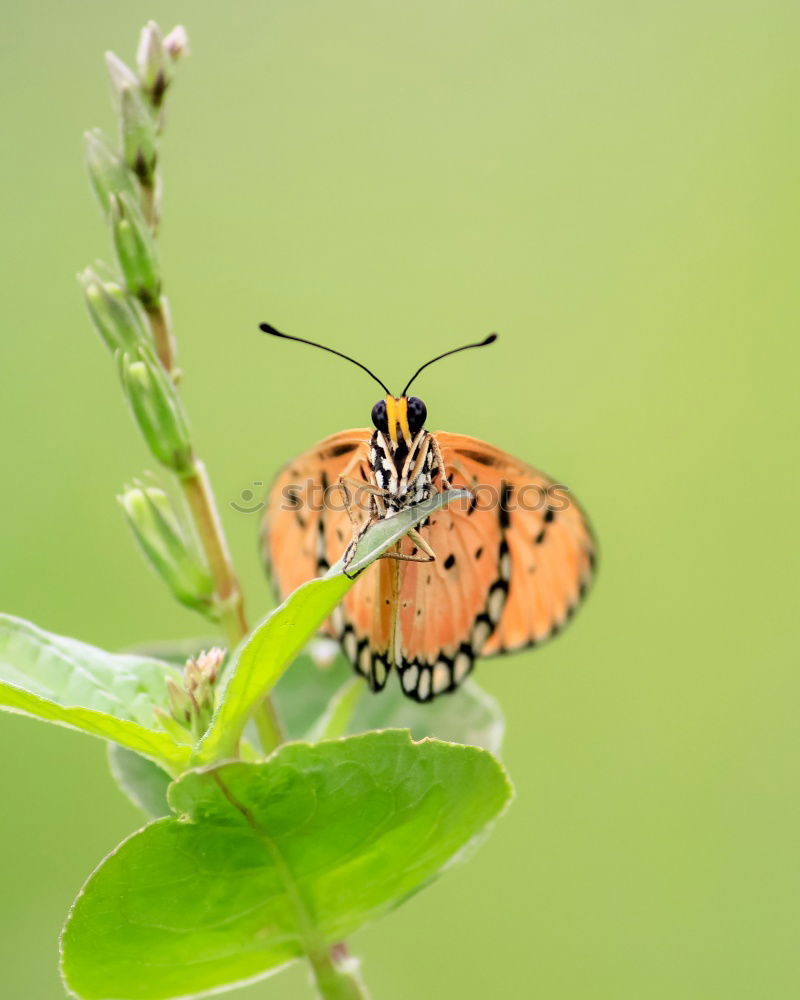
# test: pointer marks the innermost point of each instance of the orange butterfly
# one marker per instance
(496, 574)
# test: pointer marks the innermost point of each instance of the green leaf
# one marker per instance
(142, 780)
(307, 692)
(65, 681)
(274, 644)
(272, 861)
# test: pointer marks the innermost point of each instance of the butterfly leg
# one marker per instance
(439, 461)
(359, 529)
(419, 541)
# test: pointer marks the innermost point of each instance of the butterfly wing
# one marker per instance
(296, 525)
(548, 551)
(306, 529)
(512, 564)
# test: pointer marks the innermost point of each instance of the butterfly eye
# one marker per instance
(379, 416)
(417, 414)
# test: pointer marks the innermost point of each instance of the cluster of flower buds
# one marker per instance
(191, 702)
(130, 312)
(168, 548)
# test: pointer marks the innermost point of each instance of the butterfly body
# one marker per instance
(499, 572)
(406, 472)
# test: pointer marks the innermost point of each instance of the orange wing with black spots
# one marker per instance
(296, 525)
(306, 529)
(512, 563)
(550, 551)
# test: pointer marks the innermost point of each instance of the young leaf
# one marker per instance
(272, 861)
(65, 681)
(271, 648)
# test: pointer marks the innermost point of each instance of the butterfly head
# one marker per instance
(402, 418)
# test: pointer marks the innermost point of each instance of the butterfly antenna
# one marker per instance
(285, 336)
(489, 340)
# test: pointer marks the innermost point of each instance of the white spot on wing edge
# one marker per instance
(424, 687)
(497, 600)
(350, 645)
(461, 667)
(410, 677)
(480, 633)
(441, 677)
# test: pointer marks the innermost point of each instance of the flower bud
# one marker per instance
(153, 63)
(138, 132)
(107, 173)
(158, 410)
(117, 316)
(167, 547)
(121, 74)
(177, 43)
(180, 702)
(136, 248)
(199, 677)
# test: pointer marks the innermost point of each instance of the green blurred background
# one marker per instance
(612, 186)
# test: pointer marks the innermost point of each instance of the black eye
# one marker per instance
(379, 416)
(417, 414)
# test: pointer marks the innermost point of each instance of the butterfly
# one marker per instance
(497, 573)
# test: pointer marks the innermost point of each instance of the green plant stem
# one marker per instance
(149, 204)
(268, 724)
(162, 337)
(200, 499)
(333, 980)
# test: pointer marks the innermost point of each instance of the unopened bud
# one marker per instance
(153, 63)
(167, 547)
(199, 678)
(117, 316)
(158, 411)
(138, 131)
(121, 74)
(204, 667)
(176, 43)
(107, 173)
(180, 702)
(136, 248)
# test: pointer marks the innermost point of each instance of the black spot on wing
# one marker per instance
(480, 457)
(505, 505)
(337, 450)
(450, 561)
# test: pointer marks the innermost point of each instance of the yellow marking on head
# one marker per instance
(397, 416)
